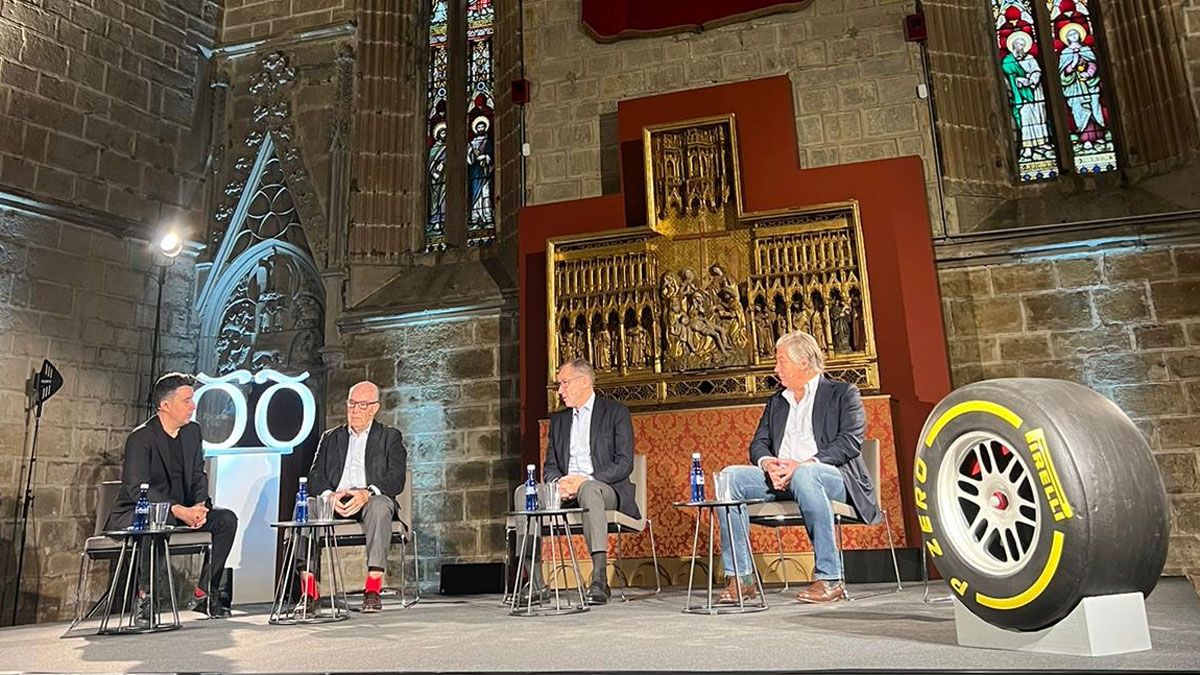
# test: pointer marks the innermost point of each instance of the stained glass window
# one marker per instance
(1024, 80)
(1055, 103)
(435, 135)
(1087, 119)
(481, 146)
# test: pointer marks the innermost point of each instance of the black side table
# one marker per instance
(553, 519)
(306, 534)
(729, 506)
(143, 547)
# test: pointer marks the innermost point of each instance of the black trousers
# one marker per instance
(222, 525)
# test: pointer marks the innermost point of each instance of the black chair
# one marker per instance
(99, 547)
(779, 514)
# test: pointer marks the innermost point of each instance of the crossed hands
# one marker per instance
(192, 516)
(346, 503)
(779, 471)
(568, 486)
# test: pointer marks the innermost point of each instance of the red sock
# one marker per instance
(310, 586)
(199, 592)
(374, 584)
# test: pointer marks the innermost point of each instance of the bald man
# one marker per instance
(360, 465)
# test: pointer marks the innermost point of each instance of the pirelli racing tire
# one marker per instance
(1032, 494)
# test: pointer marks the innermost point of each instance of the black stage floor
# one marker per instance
(894, 631)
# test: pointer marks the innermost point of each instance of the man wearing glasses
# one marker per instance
(590, 453)
(360, 466)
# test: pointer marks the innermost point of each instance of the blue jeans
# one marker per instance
(813, 486)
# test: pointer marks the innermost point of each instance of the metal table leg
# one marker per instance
(687, 607)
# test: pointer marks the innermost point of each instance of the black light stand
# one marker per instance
(162, 279)
(166, 249)
(45, 384)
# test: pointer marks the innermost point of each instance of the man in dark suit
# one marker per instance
(806, 448)
(590, 453)
(165, 452)
(360, 467)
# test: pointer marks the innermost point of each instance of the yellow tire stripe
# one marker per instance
(970, 407)
(1029, 594)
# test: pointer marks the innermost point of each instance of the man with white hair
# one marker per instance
(360, 465)
(806, 448)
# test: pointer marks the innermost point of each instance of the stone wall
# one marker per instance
(1125, 322)
(85, 300)
(247, 19)
(854, 76)
(100, 103)
(101, 125)
(451, 390)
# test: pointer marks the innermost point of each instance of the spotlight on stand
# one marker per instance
(170, 244)
(167, 246)
(44, 384)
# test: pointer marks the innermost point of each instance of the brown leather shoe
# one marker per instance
(822, 591)
(730, 595)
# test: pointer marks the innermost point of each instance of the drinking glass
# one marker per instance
(547, 494)
(721, 481)
(320, 508)
(159, 513)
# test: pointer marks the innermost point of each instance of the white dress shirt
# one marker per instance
(354, 471)
(581, 439)
(799, 441)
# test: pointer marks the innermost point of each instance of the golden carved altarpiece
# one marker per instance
(687, 309)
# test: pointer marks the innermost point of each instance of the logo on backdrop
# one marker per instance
(229, 385)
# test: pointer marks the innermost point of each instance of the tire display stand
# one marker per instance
(1099, 626)
(1042, 506)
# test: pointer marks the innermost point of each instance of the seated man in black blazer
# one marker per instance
(590, 453)
(360, 466)
(166, 453)
(806, 448)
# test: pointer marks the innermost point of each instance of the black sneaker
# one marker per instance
(143, 612)
(307, 607)
(598, 593)
(371, 602)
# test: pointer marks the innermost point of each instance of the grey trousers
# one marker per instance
(376, 518)
(595, 496)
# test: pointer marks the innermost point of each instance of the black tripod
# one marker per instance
(44, 385)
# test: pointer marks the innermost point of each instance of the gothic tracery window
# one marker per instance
(1051, 68)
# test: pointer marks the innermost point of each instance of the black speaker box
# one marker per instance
(472, 578)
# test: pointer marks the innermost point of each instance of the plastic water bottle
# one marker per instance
(141, 510)
(530, 489)
(697, 479)
(302, 502)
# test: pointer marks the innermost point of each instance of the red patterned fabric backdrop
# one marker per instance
(722, 437)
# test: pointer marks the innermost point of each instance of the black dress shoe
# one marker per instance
(218, 611)
(541, 595)
(200, 604)
(598, 593)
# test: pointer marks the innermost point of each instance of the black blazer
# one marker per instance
(385, 459)
(839, 425)
(147, 457)
(611, 438)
